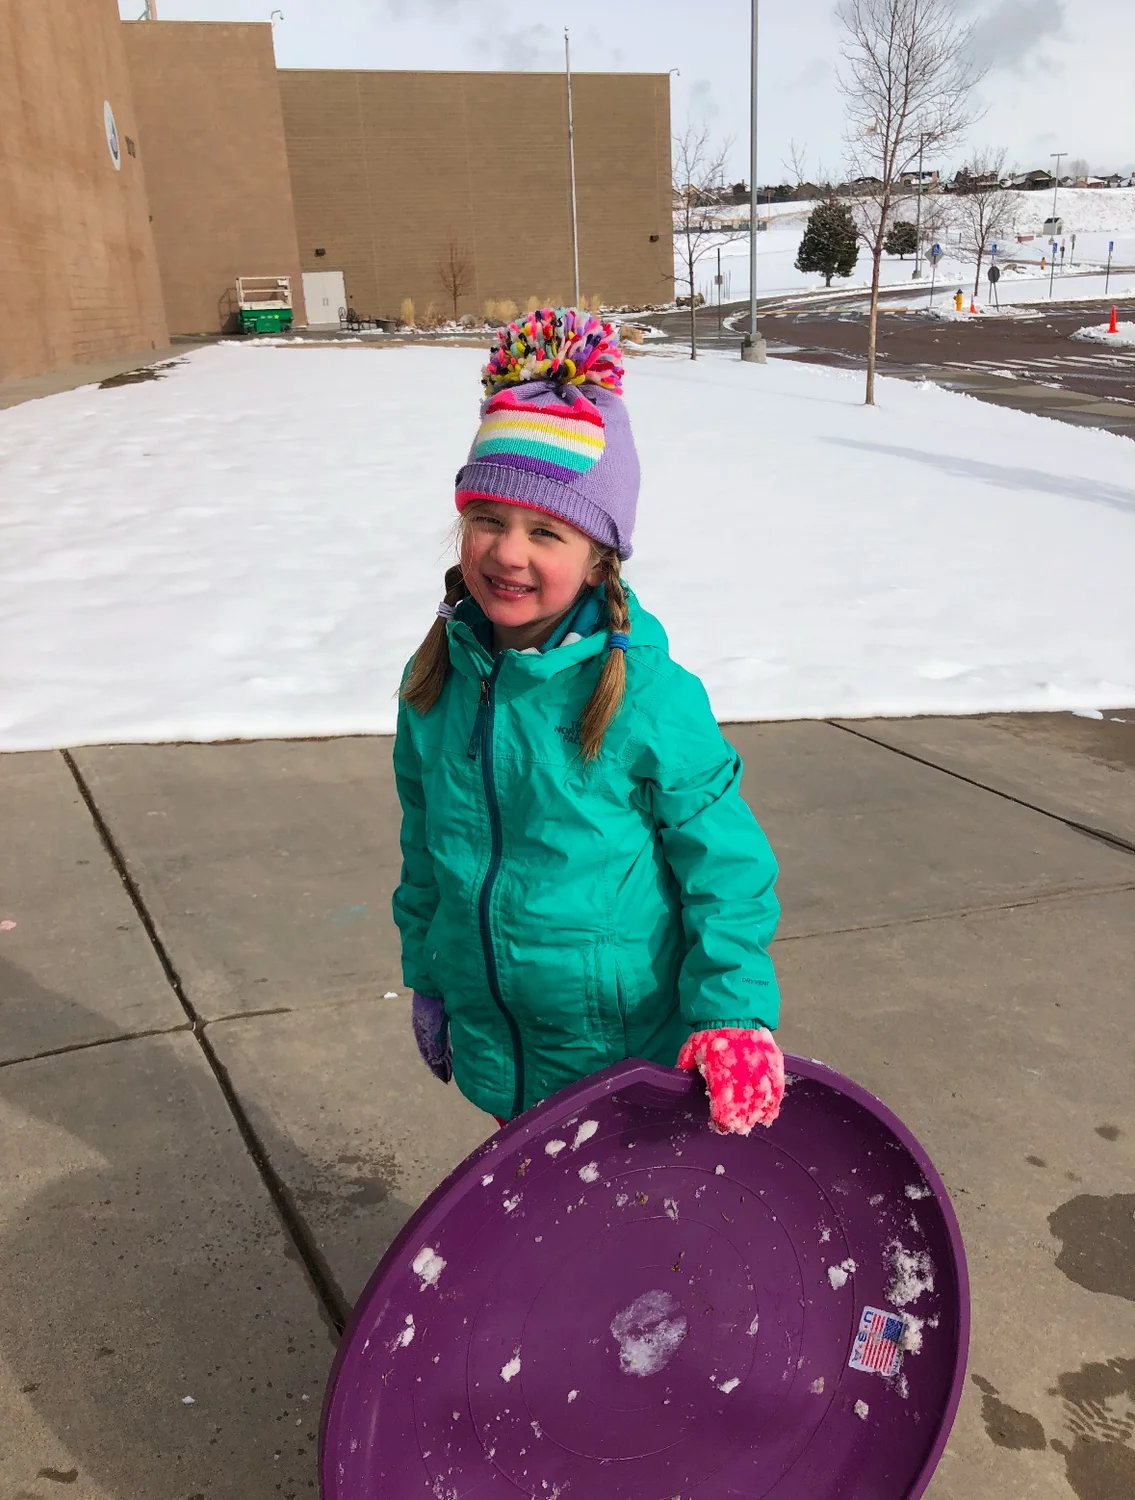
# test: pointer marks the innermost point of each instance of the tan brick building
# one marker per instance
(212, 138)
(388, 169)
(78, 273)
(144, 166)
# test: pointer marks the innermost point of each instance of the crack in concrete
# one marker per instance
(1115, 840)
(1067, 893)
(326, 1288)
(102, 1041)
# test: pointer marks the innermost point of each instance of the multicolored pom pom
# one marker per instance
(563, 345)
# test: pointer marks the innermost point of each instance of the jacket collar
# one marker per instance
(520, 671)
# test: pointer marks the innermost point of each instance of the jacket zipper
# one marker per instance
(482, 740)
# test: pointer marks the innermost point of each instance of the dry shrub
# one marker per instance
(630, 334)
(432, 318)
(407, 313)
(533, 305)
(593, 303)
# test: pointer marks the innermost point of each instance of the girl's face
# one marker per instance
(525, 569)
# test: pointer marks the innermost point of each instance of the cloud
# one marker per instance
(702, 105)
(1009, 35)
(537, 48)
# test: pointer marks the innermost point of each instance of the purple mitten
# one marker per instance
(431, 1032)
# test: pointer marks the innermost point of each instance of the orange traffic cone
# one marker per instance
(1113, 326)
(972, 308)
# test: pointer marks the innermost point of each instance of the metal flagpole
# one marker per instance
(753, 347)
(571, 163)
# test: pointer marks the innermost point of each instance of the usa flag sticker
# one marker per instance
(878, 1344)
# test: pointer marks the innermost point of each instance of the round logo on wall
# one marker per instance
(112, 135)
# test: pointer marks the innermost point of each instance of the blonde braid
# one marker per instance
(607, 697)
(430, 667)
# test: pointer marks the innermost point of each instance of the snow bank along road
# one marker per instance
(252, 545)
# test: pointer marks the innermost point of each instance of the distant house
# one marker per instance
(929, 176)
(1036, 181)
(966, 181)
(807, 192)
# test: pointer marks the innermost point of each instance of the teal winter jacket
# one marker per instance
(573, 914)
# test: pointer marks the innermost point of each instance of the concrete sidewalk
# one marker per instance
(214, 1118)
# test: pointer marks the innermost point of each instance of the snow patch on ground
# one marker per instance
(649, 1333)
(252, 546)
(1123, 338)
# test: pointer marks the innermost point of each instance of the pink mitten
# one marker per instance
(744, 1072)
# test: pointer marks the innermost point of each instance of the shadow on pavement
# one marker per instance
(144, 1264)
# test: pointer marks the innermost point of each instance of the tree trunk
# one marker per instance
(693, 312)
(873, 319)
(977, 278)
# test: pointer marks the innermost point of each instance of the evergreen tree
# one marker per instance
(829, 244)
(902, 239)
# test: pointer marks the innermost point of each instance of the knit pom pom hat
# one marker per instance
(554, 432)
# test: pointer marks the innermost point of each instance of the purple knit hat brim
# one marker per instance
(516, 486)
(600, 501)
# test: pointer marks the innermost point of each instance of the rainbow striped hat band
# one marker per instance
(554, 432)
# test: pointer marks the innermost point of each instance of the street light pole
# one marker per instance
(753, 347)
(1056, 182)
(571, 164)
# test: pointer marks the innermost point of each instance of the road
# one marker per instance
(1028, 363)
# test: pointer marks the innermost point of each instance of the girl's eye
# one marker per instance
(544, 531)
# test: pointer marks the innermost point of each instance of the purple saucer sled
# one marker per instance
(607, 1301)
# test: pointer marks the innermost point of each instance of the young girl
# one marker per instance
(582, 881)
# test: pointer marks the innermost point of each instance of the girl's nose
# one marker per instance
(511, 548)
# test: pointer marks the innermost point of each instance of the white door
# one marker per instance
(324, 293)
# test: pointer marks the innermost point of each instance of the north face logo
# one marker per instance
(569, 733)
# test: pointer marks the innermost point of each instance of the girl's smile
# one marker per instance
(525, 569)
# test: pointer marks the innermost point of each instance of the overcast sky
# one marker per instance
(1059, 70)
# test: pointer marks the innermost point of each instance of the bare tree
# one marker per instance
(797, 164)
(1079, 168)
(455, 272)
(699, 176)
(983, 209)
(907, 73)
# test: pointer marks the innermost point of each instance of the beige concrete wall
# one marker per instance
(212, 135)
(388, 168)
(78, 273)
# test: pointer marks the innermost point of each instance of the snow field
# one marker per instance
(254, 545)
